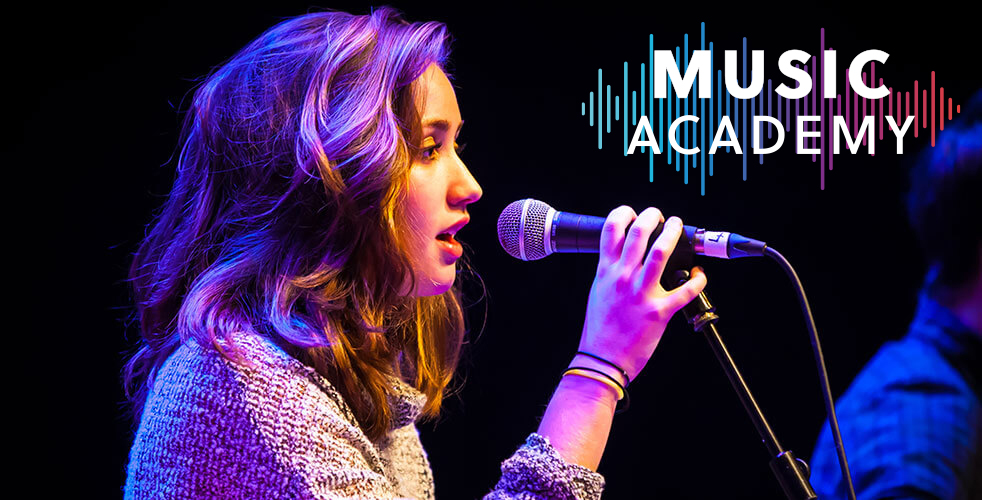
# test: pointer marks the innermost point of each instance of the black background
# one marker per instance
(99, 90)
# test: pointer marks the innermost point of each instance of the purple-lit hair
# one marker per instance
(286, 213)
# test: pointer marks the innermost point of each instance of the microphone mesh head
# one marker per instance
(521, 229)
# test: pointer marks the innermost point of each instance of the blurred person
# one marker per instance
(911, 421)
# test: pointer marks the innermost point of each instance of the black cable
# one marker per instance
(820, 361)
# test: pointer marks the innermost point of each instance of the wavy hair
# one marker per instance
(285, 214)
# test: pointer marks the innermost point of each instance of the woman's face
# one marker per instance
(440, 187)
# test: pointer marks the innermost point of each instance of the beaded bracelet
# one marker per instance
(602, 377)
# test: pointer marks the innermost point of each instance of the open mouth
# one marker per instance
(450, 245)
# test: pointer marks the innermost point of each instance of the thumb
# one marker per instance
(682, 295)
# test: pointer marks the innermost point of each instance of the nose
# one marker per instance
(465, 189)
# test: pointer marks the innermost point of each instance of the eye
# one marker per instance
(431, 152)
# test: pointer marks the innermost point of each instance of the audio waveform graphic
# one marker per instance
(927, 119)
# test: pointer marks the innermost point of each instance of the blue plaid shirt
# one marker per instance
(912, 420)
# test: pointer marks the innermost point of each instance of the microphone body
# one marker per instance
(530, 230)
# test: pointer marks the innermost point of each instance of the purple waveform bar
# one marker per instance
(838, 111)
(848, 120)
(787, 111)
(822, 139)
(816, 108)
(770, 90)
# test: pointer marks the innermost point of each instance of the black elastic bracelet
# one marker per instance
(627, 397)
(598, 358)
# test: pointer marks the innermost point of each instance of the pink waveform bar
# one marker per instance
(941, 119)
(864, 113)
(924, 105)
(916, 109)
(889, 103)
(872, 105)
(881, 112)
(907, 110)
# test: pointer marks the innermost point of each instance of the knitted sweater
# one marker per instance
(272, 427)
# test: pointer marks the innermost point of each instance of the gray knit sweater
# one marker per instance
(272, 427)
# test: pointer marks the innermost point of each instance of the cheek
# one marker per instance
(416, 223)
(425, 200)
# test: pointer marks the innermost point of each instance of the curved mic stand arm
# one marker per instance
(792, 473)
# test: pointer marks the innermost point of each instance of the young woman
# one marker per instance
(296, 293)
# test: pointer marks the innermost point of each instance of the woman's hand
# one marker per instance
(628, 309)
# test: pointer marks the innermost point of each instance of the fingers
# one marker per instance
(612, 236)
(661, 250)
(679, 297)
(636, 241)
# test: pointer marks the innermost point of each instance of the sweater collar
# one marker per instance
(405, 401)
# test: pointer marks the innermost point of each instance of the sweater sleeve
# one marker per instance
(537, 471)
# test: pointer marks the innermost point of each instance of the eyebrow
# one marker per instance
(442, 124)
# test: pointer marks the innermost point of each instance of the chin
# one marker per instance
(436, 286)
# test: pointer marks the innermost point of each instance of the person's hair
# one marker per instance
(286, 215)
(944, 198)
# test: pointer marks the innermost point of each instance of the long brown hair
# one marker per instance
(286, 212)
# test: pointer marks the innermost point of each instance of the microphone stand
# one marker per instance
(791, 472)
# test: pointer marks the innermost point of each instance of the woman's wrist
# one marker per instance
(592, 363)
(588, 390)
(578, 419)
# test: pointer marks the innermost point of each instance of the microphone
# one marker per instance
(531, 230)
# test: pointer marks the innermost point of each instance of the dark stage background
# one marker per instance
(99, 118)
